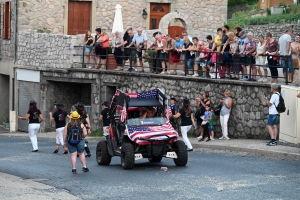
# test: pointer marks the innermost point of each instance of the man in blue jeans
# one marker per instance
(273, 114)
(286, 54)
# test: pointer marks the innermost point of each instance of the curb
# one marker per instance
(258, 152)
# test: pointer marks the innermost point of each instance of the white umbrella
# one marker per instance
(118, 21)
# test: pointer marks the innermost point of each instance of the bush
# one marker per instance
(150, 56)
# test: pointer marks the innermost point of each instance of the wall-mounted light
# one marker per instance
(144, 14)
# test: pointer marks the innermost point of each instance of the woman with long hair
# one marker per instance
(79, 148)
(89, 46)
(104, 40)
(225, 113)
(118, 51)
(35, 117)
(187, 120)
(60, 122)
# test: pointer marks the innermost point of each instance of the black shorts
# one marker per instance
(164, 56)
(243, 60)
(129, 54)
(102, 53)
(139, 54)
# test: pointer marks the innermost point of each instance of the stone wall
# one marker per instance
(39, 14)
(249, 112)
(276, 29)
(7, 46)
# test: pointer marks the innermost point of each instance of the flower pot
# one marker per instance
(111, 62)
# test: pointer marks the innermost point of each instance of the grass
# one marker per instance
(243, 18)
(97, 133)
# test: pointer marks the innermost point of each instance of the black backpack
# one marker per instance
(281, 106)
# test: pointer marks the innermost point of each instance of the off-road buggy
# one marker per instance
(132, 137)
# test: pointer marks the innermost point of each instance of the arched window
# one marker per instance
(158, 9)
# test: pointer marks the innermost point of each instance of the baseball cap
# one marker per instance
(241, 33)
(201, 43)
(32, 103)
(105, 103)
(59, 104)
(75, 115)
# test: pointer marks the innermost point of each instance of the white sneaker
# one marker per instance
(195, 75)
(199, 138)
(221, 138)
(90, 67)
(212, 138)
(226, 137)
(260, 80)
(265, 80)
(205, 138)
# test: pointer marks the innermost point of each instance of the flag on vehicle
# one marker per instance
(124, 113)
(155, 132)
(144, 95)
(168, 112)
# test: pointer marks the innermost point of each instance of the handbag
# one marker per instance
(218, 110)
(98, 45)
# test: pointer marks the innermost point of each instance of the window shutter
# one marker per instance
(3, 31)
(9, 21)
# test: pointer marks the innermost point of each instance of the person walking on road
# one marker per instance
(79, 148)
(225, 113)
(187, 120)
(84, 118)
(35, 117)
(273, 114)
(59, 116)
(103, 116)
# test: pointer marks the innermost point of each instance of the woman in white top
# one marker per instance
(260, 59)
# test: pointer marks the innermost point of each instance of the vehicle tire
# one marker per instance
(102, 155)
(127, 156)
(181, 151)
(155, 159)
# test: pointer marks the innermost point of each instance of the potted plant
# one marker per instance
(5, 122)
(149, 57)
(111, 61)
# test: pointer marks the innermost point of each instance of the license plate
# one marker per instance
(138, 156)
(171, 155)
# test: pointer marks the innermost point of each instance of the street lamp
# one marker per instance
(145, 14)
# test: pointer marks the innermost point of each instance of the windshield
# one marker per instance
(157, 121)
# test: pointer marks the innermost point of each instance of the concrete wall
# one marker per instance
(4, 97)
(249, 113)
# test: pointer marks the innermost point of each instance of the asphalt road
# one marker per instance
(208, 175)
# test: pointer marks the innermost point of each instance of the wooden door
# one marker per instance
(157, 11)
(173, 30)
(79, 17)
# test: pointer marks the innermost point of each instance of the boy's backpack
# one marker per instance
(281, 106)
(74, 134)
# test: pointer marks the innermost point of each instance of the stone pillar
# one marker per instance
(96, 107)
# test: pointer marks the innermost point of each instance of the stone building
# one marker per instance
(43, 34)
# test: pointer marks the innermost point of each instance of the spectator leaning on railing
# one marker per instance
(285, 52)
(242, 42)
(250, 49)
(140, 42)
(260, 59)
(272, 50)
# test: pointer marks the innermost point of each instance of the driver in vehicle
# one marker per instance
(149, 113)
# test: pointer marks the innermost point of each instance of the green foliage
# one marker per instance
(232, 3)
(5, 119)
(149, 56)
(43, 30)
(282, 4)
(97, 133)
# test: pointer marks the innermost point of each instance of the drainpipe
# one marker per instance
(16, 30)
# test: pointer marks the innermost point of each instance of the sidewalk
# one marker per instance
(252, 146)
(13, 187)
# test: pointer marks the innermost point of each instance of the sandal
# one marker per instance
(98, 67)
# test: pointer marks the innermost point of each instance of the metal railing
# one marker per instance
(216, 64)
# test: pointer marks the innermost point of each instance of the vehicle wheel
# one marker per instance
(181, 151)
(127, 156)
(102, 155)
(155, 159)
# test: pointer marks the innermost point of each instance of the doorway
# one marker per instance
(79, 17)
(157, 11)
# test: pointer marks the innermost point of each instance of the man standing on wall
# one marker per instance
(242, 42)
(286, 54)
(295, 55)
(273, 114)
(225, 66)
(140, 42)
(129, 51)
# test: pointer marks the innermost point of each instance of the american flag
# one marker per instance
(159, 132)
(144, 95)
(168, 112)
(124, 113)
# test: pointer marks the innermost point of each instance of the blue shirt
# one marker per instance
(207, 115)
(174, 108)
(179, 44)
(241, 42)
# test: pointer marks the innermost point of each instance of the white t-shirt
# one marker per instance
(283, 41)
(274, 100)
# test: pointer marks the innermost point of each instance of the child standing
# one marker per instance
(207, 118)
(211, 127)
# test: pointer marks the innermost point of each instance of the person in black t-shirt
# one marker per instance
(103, 116)
(84, 118)
(187, 120)
(225, 58)
(59, 116)
(35, 118)
(174, 110)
